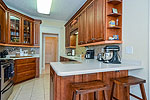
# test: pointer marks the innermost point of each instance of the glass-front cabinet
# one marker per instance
(20, 30)
(15, 29)
(27, 31)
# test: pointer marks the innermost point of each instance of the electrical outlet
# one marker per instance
(129, 50)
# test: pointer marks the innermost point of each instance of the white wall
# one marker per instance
(52, 26)
(135, 34)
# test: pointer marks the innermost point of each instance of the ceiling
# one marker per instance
(60, 10)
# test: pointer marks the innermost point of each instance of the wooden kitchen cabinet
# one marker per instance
(25, 69)
(94, 28)
(90, 22)
(14, 29)
(17, 29)
(2, 25)
(67, 35)
(82, 31)
(99, 20)
(60, 86)
(37, 32)
(27, 34)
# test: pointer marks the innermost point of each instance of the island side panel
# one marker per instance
(107, 76)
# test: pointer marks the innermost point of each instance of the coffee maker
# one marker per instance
(89, 54)
(111, 54)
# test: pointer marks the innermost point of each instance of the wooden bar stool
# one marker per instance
(89, 87)
(126, 82)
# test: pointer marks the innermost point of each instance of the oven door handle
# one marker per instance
(7, 88)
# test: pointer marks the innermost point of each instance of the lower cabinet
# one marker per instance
(25, 69)
(60, 86)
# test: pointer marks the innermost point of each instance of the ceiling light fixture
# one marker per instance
(44, 6)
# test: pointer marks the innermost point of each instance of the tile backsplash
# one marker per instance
(13, 50)
(99, 49)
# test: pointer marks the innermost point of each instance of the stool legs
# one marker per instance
(143, 91)
(105, 95)
(74, 96)
(112, 91)
(95, 95)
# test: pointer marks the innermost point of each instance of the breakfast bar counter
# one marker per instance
(62, 74)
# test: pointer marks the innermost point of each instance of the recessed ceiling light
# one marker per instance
(44, 6)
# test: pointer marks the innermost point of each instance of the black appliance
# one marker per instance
(6, 75)
(3, 54)
(112, 51)
(89, 54)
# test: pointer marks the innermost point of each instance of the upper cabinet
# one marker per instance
(90, 22)
(17, 29)
(37, 32)
(2, 24)
(99, 22)
(14, 32)
(27, 31)
(67, 36)
(82, 31)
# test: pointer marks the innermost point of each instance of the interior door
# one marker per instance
(51, 49)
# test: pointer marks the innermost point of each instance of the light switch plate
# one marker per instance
(129, 50)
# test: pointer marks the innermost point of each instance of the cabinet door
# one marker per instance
(67, 35)
(27, 32)
(82, 32)
(99, 17)
(90, 22)
(36, 39)
(2, 25)
(14, 29)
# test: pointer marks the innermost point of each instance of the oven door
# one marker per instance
(7, 72)
(7, 91)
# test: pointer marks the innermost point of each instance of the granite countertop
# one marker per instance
(84, 66)
(24, 57)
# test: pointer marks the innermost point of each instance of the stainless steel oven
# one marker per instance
(7, 73)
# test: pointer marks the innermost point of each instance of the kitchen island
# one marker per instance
(65, 73)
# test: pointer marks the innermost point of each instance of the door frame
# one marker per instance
(43, 46)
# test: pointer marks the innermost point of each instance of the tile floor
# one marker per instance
(35, 89)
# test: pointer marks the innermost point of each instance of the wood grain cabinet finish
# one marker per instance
(82, 28)
(94, 28)
(67, 36)
(18, 29)
(90, 22)
(60, 86)
(99, 20)
(25, 69)
(37, 32)
(27, 31)
(2, 24)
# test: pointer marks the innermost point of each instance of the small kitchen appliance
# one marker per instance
(100, 57)
(89, 54)
(111, 54)
(3, 54)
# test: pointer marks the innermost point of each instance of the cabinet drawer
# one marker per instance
(25, 76)
(24, 61)
(31, 60)
(26, 67)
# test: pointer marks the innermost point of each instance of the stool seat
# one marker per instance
(89, 87)
(126, 82)
(129, 80)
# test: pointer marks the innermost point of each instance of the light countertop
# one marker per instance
(84, 66)
(24, 57)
